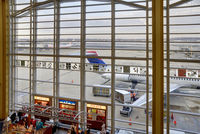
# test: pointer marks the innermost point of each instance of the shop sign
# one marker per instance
(96, 106)
(41, 98)
(67, 102)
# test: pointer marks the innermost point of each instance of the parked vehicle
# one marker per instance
(126, 111)
(122, 96)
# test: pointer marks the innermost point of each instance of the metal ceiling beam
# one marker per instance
(179, 3)
(132, 4)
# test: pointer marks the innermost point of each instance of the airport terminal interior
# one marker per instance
(99, 66)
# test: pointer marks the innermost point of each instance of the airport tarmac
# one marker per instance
(70, 89)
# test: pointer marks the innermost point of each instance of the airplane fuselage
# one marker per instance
(136, 78)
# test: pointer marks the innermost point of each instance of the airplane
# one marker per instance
(45, 46)
(175, 82)
(70, 44)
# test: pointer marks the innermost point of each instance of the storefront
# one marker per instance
(66, 104)
(41, 103)
(70, 112)
(96, 116)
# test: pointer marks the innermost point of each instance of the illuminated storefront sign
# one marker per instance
(67, 102)
(41, 98)
(96, 106)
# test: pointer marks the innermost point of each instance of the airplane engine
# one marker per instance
(134, 83)
(122, 77)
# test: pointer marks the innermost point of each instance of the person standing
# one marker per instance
(134, 94)
(88, 131)
(172, 117)
(26, 123)
(73, 130)
(13, 117)
(131, 96)
(82, 132)
(19, 115)
(68, 132)
(37, 127)
(103, 130)
(54, 129)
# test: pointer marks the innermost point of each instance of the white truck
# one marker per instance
(122, 96)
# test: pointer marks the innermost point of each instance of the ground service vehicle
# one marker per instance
(101, 90)
(126, 111)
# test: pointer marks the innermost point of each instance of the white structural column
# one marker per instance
(158, 61)
(57, 52)
(168, 66)
(12, 83)
(113, 67)
(34, 43)
(30, 52)
(82, 69)
(147, 65)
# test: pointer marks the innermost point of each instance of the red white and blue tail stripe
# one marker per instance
(94, 60)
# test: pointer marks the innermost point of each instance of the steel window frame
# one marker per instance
(158, 69)
(157, 47)
(4, 59)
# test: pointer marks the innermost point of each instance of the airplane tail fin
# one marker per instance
(94, 60)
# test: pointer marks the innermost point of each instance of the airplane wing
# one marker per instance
(142, 100)
(173, 87)
(106, 82)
